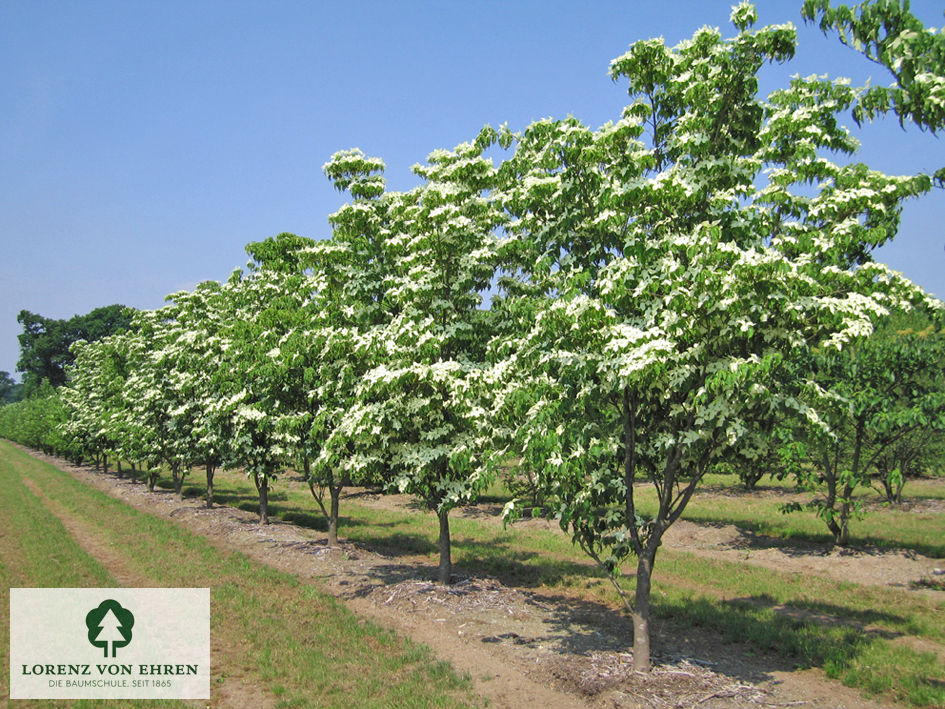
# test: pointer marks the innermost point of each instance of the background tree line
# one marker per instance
(45, 346)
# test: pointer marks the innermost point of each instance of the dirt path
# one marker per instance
(521, 648)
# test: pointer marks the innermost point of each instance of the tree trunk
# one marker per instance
(898, 496)
(751, 478)
(105, 464)
(263, 485)
(835, 530)
(335, 491)
(641, 613)
(841, 530)
(134, 474)
(843, 536)
(446, 566)
(210, 471)
(152, 479)
(179, 486)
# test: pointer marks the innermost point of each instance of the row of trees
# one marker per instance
(882, 403)
(663, 293)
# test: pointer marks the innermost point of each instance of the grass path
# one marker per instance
(275, 641)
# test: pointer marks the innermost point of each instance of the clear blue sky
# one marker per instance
(143, 144)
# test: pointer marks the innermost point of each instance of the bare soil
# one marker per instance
(540, 647)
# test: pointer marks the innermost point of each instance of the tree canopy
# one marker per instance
(666, 265)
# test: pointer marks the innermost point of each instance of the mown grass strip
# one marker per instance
(884, 526)
(840, 627)
(35, 548)
(36, 551)
(888, 528)
(301, 644)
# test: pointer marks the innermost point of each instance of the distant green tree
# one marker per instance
(45, 342)
(10, 391)
(44, 351)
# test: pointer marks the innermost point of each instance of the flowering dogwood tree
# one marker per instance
(253, 384)
(90, 396)
(198, 349)
(661, 268)
(420, 404)
(162, 409)
(347, 281)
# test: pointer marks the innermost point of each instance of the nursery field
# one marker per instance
(753, 607)
(627, 320)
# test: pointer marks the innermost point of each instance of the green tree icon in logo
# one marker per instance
(109, 624)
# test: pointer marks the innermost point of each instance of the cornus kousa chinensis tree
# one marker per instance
(422, 402)
(198, 348)
(339, 341)
(659, 269)
(163, 410)
(258, 386)
(96, 396)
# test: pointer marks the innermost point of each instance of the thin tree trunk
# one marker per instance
(105, 464)
(898, 496)
(641, 613)
(263, 486)
(134, 474)
(836, 531)
(842, 537)
(179, 486)
(830, 478)
(446, 566)
(335, 491)
(210, 471)
(335, 487)
(118, 468)
(893, 491)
